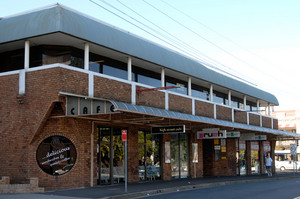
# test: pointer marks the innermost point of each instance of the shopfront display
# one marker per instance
(255, 160)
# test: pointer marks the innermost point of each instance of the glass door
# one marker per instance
(110, 156)
(242, 158)
(179, 156)
(149, 156)
(255, 163)
(104, 154)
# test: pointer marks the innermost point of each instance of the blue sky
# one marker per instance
(257, 40)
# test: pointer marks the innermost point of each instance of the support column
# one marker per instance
(245, 102)
(86, 56)
(229, 98)
(26, 54)
(162, 77)
(269, 109)
(257, 105)
(189, 86)
(129, 69)
(133, 154)
(211, 93)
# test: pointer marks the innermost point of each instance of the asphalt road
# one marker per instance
(279, 189)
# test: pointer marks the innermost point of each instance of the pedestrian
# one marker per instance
(269, 165)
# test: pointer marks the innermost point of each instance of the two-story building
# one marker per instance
(73, 89)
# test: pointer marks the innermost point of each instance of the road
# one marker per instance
(279, 189)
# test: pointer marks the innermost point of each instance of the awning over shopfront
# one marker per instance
(76, 105)
(125, 107)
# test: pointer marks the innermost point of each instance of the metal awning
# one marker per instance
(125, 107)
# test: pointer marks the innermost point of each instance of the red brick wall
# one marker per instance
(112, 89)
(180, 104)
(254, 119)
(78, 131)
(204, 109)
(198, 166)
(275, 123)
(224, 113)
(133, 154)
(266, 122)
(150, 98)
(240, 116)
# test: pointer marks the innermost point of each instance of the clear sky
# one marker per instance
(257, 40)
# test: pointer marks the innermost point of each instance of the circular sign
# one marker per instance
(56, 155)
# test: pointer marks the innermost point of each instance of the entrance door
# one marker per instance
(242, 158)
(149, 156)
(110, 153)
(179, 156)
(255, 162)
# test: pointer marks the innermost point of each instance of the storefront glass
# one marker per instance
(110, 153)
(255, 163)
(149, 156)
(242, 157)
(179, 156)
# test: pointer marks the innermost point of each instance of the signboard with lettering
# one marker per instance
(83, 106)
(233, 134)
(218, 134)
(56, 155)
(168, 129)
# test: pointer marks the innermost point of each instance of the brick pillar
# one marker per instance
(248, 157)
(196, 169)
(133, 154)
(261, 157)
(166, 167)
(273, 144)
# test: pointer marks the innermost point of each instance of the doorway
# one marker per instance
(110, 155)
(179, 156)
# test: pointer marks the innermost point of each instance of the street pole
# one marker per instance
(126, 166)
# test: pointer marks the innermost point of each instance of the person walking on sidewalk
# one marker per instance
(269, 165)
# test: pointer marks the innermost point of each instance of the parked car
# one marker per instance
(283, 165)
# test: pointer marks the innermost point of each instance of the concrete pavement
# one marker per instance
(117, 191)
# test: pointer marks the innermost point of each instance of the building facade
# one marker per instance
(73, 89)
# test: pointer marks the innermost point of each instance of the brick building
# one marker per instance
(71, 85)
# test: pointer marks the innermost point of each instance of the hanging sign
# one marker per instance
(211, 134)
(260, 137)
(168, 129)
(233, 134)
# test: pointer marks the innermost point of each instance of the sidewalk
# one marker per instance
(117, 191)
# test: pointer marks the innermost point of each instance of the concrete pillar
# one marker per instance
(245, 102)
(129, 69)
(189, 86)
(229, 98)
(163, 77)
(26, 54)
(86, 56)
(211, 93)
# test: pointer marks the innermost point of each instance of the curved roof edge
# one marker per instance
(62, 19)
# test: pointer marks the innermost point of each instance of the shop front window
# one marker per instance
(179, 156)
(255, 163)
(241, 154)
(149, 156)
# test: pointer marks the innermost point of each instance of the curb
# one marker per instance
(191, 187)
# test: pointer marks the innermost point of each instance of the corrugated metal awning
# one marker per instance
(125, 107)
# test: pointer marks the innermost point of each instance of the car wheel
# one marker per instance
(282, 168)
